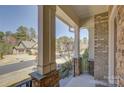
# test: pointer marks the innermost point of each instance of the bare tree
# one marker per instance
(65, 47)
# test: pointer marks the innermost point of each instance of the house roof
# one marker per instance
(26, 44)
(34, 40)
(35, 46)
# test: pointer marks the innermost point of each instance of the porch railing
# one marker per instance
(25, 83)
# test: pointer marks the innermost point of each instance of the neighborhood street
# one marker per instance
(13, 70)
(11, 78)
(11, 59)
(16, 66)
(16, 72)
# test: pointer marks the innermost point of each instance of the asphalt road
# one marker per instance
(16, 66)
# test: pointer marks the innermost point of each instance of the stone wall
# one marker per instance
(77, 66)
(49, 80)
(120, 46)
(101, 46)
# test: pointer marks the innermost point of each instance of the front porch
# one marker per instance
(85, 80)
(102, 43)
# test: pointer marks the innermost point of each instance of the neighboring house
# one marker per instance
(34, 40)
(34, 49)
(30, 47)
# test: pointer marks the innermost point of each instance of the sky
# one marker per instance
(62, 29)
(11, 17)
(84, 33)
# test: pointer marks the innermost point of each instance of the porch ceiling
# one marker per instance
(84, 11)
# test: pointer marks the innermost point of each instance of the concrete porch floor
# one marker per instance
(85, 80)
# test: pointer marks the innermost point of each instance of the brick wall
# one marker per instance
(120, 46)
(50, 80)
(101, 47)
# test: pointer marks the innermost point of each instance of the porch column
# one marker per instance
(40, 40)
(76, 58)
(49, 63)
(91, 50)
(47, 74)
(112, 44)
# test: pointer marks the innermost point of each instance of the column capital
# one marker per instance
(52, 7)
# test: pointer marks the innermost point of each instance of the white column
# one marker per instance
(40, 39)
(91, 44)
(111, 47)
(77, 43)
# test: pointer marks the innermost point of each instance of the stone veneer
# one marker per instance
(120, 46)
(77, 66)
(101, 47)
(49, 80)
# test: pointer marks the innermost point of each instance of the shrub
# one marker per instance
(65, 69)
(85, 63)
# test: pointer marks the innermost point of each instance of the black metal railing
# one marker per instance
(24, 83)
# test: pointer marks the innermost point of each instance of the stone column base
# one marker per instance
(91, 67)
(77, 66)
(49, 80)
